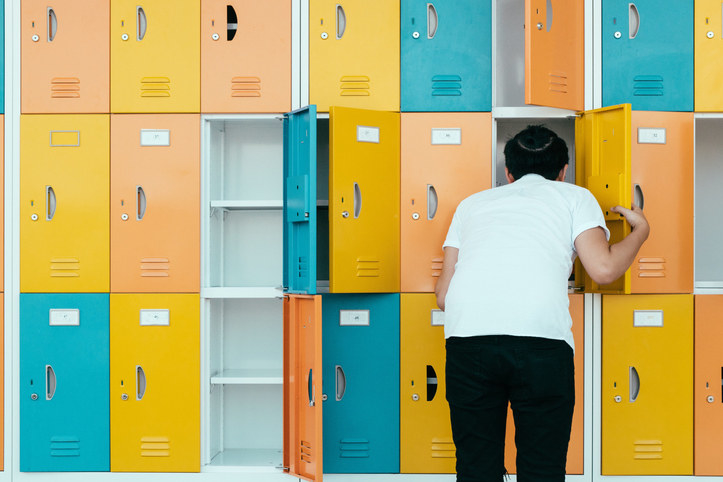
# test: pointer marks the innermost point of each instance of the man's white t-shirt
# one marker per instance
(516, 251)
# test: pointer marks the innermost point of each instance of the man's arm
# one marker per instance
(605, 263)
(450, 260)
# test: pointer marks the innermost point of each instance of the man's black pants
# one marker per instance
(536, 376)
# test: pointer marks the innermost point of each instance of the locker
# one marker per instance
(602, 165)
(245, 56)
(155, 56)
(64, 403)
(354, 54)
(361, 392)
(65, 57)
(64, 225)
(303, 414)
(647, 379)
(426, 432)
(647, 54)
(575, 452)
(446, 55)
(2, 209)
(662, 151)
(708, 50)
(364, 201)
(2, 57)
(2, 383)
(300, 201)
(555, 53)
(708, 389)
(445, 158)
(155, 394)
(155, 193)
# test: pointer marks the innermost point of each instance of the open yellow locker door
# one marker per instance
(602, 165)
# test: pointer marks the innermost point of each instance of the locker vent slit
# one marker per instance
(246, 87)
(65, 88)
(648, 85)
(446, 86)
(443, 448)
(355, 85)
(155, 87)
(64, 446)
(155, 447)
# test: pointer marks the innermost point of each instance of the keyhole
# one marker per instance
(121, 383)
(412, 202)
(31, 382)
(615, 384)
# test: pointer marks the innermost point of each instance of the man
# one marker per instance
(507, 258)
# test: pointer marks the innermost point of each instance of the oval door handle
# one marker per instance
(432, 21)
(340, 22)
(638, 197)
(52, 24)
(140, 203)
(231, 22)
(50, 382)
(633, 21)
(634, 384)
(141, 23)
(357, 200)
(310, 388)
(340, 383)
(548, 9)
(140, 382)
(51, 203)
(432, 383)
(432, 202)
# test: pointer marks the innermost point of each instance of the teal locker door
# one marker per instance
(446, 55)
(300, 201)
(64, 383)
(361, 383)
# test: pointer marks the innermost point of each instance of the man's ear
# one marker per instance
(563, 173)
(509, 177)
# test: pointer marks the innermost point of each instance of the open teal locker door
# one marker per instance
(361, 383)
(300, 201)
(647, 54)
(64, 383)
(446, 55)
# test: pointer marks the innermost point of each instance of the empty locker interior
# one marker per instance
(708, 196)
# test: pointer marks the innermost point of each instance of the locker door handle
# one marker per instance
(50, 382)
(231, 22)
(340, 383)
(432, 201)
(52, 24)
(310, 388)
(634, 384)
(340, 21)
(141, 23)
(140, 382)
(140, 203)
(633, 21)
(432, 21)
(638, 197)
(357, 201)
(432, 383)
(51, 203)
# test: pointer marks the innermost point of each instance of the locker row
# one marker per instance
(102, 385)
(408, 55)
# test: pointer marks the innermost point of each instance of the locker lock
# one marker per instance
(124, 396)
(415, 397)
(415, 35)
(34, 217)
(124, 217)
(34, 396)
(324, 397)
(711, 399)
(415, 216)
(324, 35)
(618, 35)
(35, 38)
(710, 35)
(124, 36)
(539, 26)
(618, 398)
(215, 36)
(345, 214)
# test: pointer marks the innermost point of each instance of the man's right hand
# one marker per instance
(635, 218)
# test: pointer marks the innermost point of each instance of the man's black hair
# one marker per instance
(536, 150)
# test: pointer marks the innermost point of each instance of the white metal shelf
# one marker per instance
(238, 205)
(262, 376)
(529, 112)
(241, 292)
(246, 460)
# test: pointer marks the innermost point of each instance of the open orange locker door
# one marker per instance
(303, 431)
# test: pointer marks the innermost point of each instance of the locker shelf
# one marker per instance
(236, 205)
(243, 293)
(241, 460)
(248, 377)
(530, 112)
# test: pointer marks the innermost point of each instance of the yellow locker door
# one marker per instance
(155, 376)
(155, 56)
(354, 54)
(602, 165)
(364, 183)
(425, 429)
(708, 50)
(647, 385)
(64, 203)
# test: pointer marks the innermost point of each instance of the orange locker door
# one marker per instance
(575, 452)
(65, 57)
(445, 158)
(303, 430)
(708, 392)
(155, 193)
(245, 56)
(555, 53)
(662, 176)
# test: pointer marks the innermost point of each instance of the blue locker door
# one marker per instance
(446, 55)
(361, 383)
(64, 383)
(647, 54)
(300, 201)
